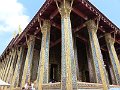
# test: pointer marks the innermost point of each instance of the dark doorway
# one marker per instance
(53, 73)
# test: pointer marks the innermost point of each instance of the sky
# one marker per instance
(19, 12)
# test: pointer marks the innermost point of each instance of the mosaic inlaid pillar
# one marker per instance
(76, 58)
(3, 64)
(100, 71)
(113, 56)
(68, 64)
(90, 65)
(17, 71)
(9, 64)
(28, 62)
(6, 66)
(1, 68)
(112, 75)
(11, 71)
(43, 69)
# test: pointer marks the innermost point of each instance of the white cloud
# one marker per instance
(12, 15)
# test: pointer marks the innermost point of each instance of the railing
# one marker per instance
(49, 86)
(114, 86)
(85, 85)
(81, 85)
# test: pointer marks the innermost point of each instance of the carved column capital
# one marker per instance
(13, 49)
(31, 39)
(65, 9)
(46, 27)
(7, 56)
(91, 26)
(109, 39)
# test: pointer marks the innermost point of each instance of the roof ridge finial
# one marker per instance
(14, 34)
(19, 29)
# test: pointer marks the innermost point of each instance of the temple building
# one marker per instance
(68, 45)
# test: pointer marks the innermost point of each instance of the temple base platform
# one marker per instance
(81, 86)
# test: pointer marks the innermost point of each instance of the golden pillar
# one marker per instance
(100, 71)
(90, 65)
(3, 70)
(68, 62)
(2, 67)
(9, 64)
(6, 66)
(112, 75)
(11, 71)
(17, 71)
(76, 58)
(28, 61)
(113, 56)
(43, 69)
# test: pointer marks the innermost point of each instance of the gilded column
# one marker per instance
(17, 71)
(68, 63)
(43, 69)
(11, 71)
(113, 56)
(90, 65)
(76, 58)
(2, 67)
(100, 71)
(10, 61)
(28, 61)
(6, 66)
(112, 75)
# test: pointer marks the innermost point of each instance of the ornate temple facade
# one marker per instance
(68, 45)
